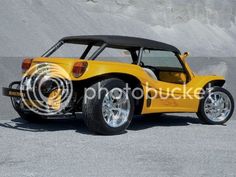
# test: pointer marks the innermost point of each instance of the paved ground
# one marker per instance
(167, 146)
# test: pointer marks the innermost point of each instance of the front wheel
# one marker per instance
(216, 107)
(108, 108)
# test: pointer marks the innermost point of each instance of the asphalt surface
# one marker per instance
(171, 145)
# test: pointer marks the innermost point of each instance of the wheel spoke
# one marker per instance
(118, 106)
(217, 106)
(211, 99)
(215, 97)
(109, 118)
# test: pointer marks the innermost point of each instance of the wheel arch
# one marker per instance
(213, 83)
(127, 78)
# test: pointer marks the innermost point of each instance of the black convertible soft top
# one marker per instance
(122, 42)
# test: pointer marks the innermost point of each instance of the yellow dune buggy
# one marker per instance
(111, 78)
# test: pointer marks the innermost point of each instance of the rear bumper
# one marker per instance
(30, 100)
(10, 92)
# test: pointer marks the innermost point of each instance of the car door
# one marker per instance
(170, 91)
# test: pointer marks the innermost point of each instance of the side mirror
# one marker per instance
(186, 54)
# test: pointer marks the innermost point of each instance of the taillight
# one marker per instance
(79, 68)
(26, 64)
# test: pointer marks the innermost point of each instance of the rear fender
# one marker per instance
(132, 81)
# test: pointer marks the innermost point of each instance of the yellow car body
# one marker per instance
(96, 69)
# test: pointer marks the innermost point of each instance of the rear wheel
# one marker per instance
(107, 107)
(216, 107)
(29, 115)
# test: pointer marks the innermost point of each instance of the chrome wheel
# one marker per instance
(116, 107)
(217, 106)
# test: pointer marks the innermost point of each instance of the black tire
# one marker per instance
(201, 113)
(92, 108)
(28, 116)
(31, 117)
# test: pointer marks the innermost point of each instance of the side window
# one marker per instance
(69, 51)
(115, 55)
(159, 58)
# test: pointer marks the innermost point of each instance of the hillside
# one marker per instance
(204, 27)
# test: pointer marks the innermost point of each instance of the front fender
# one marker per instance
(202, 81)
